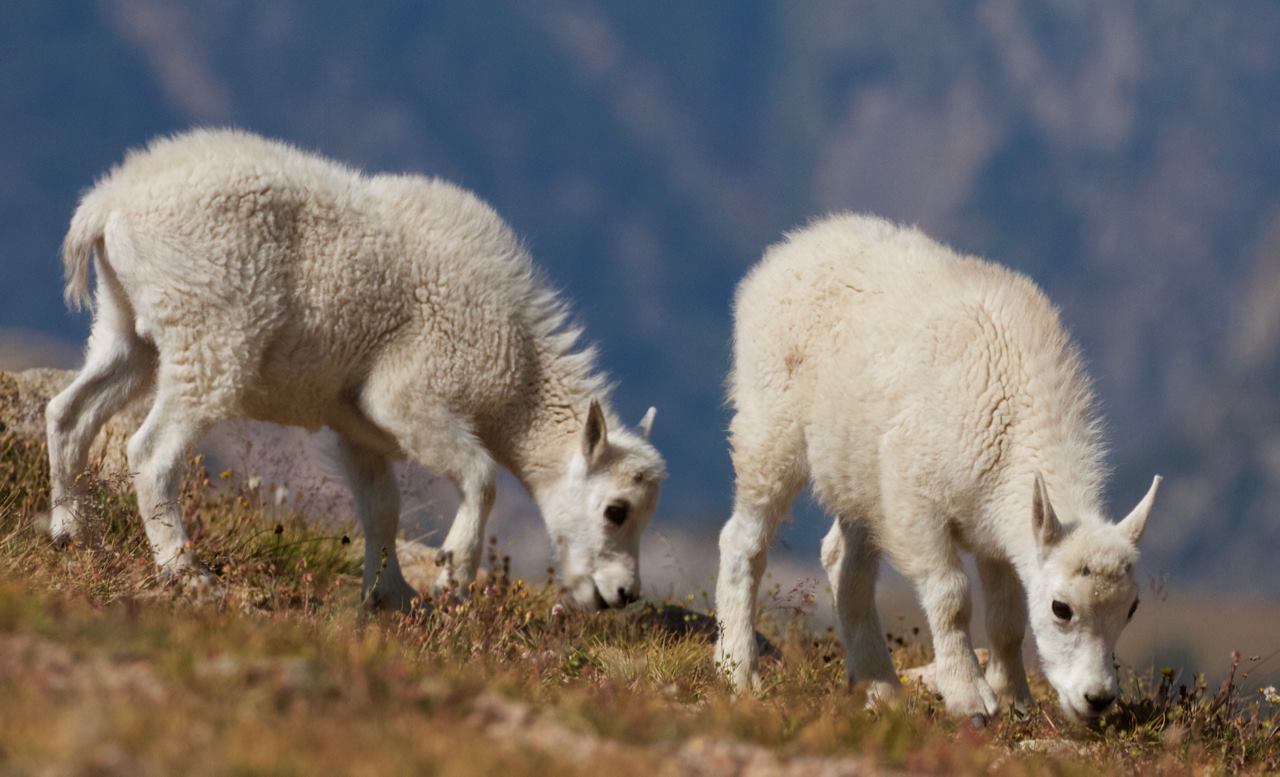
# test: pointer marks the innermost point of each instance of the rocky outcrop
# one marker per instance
(23, 396)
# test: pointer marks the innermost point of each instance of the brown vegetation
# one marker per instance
(107, 670)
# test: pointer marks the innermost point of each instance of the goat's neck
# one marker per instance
(542, 445)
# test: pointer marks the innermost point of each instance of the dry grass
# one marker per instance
(106, 670)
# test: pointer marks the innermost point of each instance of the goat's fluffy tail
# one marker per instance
(84, 237)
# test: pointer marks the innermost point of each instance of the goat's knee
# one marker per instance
(56, 415)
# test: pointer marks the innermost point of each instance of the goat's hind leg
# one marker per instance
(768, 473)
(158, 457)
(118, 367)
(852, 561)
(744, 546)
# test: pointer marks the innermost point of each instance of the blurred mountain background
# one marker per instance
(1125, 156)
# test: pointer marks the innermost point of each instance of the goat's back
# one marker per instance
(863, 331)
(318, 275)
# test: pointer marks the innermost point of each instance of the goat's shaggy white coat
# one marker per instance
(246, 278)
(936, 404)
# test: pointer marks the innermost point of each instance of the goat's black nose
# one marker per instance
(626, 597)
(1100, 702)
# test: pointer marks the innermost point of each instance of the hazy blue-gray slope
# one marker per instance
(1126, 158)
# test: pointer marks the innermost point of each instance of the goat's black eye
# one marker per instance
(616, 513)
(1133, 608)
(1062, 610)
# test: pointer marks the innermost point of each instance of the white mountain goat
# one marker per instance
(243, 277)
(936, 404)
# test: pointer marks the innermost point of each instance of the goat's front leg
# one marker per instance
(1006, 626)
(851, 562)
(460, 554)
(918, 536)
(377, 500)
(944, 594)
(445, 443)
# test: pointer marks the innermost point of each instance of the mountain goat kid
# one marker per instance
(936, 404)
(242, 277)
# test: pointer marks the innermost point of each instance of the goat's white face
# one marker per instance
(1082, 598)
(599, 508)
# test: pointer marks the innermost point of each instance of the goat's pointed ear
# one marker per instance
(645, 427)
(1044, 521)
(1136, 521)
(595, 435)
